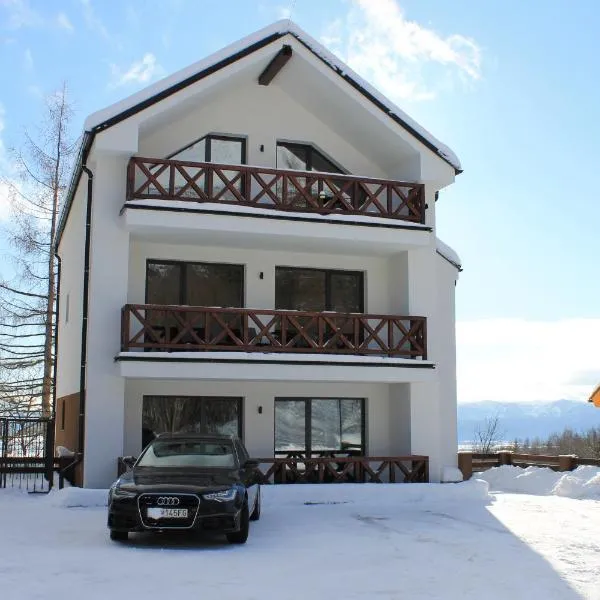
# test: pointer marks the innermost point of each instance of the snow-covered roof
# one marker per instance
(157, 91)
(448, 253)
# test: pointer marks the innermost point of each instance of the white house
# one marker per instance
(249, 245)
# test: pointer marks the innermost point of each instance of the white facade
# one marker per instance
(410, 404)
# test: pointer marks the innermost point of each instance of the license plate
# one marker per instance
(167, 513)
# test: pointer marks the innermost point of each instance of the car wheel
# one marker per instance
(255, 516)
(118, 536)
(240, 537)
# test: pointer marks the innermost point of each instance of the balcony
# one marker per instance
(267, 189)
(158, 328)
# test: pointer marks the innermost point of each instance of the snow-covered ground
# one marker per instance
(416, 541)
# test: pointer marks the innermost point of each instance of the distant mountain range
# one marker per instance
(527, 419)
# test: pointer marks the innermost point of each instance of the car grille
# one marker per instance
(191, 502)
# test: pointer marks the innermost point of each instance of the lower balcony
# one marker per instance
(159, 328)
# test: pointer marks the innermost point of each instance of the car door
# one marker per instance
(248, 476)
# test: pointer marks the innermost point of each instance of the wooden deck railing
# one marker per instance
(189, 328)
(323, 193)
(473, 462)
(355, 469)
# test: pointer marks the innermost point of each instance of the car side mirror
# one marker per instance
(251, 464)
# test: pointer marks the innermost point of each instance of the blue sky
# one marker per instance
(511, 86)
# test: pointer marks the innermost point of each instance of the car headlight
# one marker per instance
(224, 496)
(120, 493)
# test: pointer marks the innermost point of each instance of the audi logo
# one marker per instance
(167, 501)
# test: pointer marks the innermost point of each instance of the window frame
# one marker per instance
(183, 279)
(308, 450)
(310, 149)
(328, 275)
(239, 400)
(207, 147)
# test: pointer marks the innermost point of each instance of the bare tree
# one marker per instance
(487, 435)
(28, 294)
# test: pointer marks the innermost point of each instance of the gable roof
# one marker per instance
(156, 92)
(152, 94)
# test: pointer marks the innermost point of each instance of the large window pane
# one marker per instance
(318, 426)
(172, 414)
(163, 283)
(292, 157)
(346, 292)
(226, 151)
(187, 414)
(325, 425)
(194, 153)
(290, 426)
(214, 285)
(300, 289)
(222, 416)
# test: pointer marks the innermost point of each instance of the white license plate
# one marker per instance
(167, 513)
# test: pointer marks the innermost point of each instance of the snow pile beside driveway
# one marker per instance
(74, 497)
(583, 482)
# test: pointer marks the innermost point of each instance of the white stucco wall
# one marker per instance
(71, 252)
(260, 293)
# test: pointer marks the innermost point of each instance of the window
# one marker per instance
(319, 426)
(194, 284)
(303, 157)
(190, 414)
(62, 415)
(220, 149)
(186, 453)
(224, 149)
(319, 290)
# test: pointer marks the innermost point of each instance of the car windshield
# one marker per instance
(188, 453)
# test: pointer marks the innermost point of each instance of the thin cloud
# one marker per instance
(93, 22)
(28, 60)
(21, 14)
(402, 58)
(64, 23)
(523, 360)
(139, 72)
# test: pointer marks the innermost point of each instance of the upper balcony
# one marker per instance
(265, 207)
(275, 189)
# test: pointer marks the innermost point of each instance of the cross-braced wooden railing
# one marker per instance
(357, 469)
(323, 193)
(185, 328)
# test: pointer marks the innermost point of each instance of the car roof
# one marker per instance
(209, 437)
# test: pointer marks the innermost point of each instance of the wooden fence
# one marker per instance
(473, 462)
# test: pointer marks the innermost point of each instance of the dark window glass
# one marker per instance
(190, 414)
(319, 426)
(195, 284)
(318, 290)
(300, 289)
(303, 157)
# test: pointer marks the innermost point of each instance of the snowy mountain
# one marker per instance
(527, 419)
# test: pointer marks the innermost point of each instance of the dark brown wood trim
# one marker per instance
(277, 63)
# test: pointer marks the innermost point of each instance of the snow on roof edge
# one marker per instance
(448, 253)
(280, 27)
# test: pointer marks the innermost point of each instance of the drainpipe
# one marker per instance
(84, 321)
(56, 317)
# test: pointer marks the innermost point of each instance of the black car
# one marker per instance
(187, 482)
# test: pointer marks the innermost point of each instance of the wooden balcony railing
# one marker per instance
(355, 469)
(322, 193)
(190, 328)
